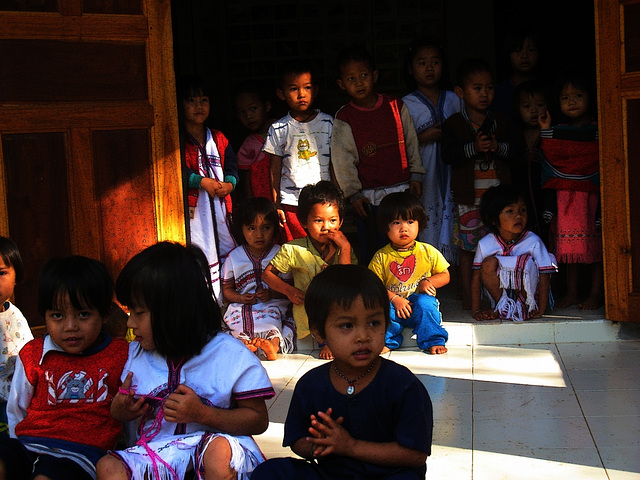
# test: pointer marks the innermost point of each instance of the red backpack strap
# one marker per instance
(400, 132)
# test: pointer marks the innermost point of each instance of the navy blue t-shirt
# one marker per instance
(394, 407)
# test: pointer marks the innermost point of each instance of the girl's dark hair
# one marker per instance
(427, 41)
(529, 88)
(403, 205)
(11, 256)
(322, 192)
(251, 87)
(173, 283)
(249, 210)
(85, 280)
(191, 86)
(358, 53)
(493, 202)
(341, 285)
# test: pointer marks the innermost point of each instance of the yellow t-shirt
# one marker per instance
(401, 272)
(301, 258)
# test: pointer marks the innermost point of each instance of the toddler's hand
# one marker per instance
(182, 406)
(247, 299)
(402, 306)
(124, 405)
(415, 188)
(544, 120)
(433, 133)
(359, 206)
(482, 142)
(296, 296)
(494, 143)
(210, 185)
(329, 436)
(264, 294)
(338, 238)
(427, 287)
(224, 189)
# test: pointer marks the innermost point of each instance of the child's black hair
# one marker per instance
(191, 86)
(403, 205)
(494, 200)
(341, 285)
(529, 88)
(322, 192)
(427, 41)
(173, 283)
(357, 53)
(11, 257)
(251, 87)
(86, 281)
(470, 66)
(249, 210)
(295, 67)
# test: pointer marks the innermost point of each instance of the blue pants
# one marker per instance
(425, 320)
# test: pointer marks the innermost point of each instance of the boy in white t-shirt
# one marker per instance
(299, 145)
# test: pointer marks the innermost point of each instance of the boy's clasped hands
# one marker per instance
(328, 436)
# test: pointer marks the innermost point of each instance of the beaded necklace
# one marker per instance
(351, 388)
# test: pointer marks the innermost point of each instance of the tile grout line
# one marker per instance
(582, 410)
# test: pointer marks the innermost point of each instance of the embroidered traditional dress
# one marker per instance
(520, 266)
(270, 319)
(436, 198)
(571, 167)
(223, 373)
(209, 226)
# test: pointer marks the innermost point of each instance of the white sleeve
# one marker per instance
(19, 397)
(272, 143)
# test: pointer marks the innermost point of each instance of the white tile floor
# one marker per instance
(537, 410)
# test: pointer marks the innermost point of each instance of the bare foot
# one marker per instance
(591, 303)
(437, 349)
(269, 348)
(385, 349)
(250, 345)
(567, 300)
(325, 353)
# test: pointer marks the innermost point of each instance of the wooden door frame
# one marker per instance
(615, 86)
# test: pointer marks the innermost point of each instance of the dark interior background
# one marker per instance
(227, 41)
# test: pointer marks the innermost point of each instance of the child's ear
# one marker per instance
(375, 76)
(316, 89)
(341, 84)
(459, 91)
(280, 93)
(318, 336)
(267, 106)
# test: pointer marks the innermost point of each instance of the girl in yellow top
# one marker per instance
(412, 271)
